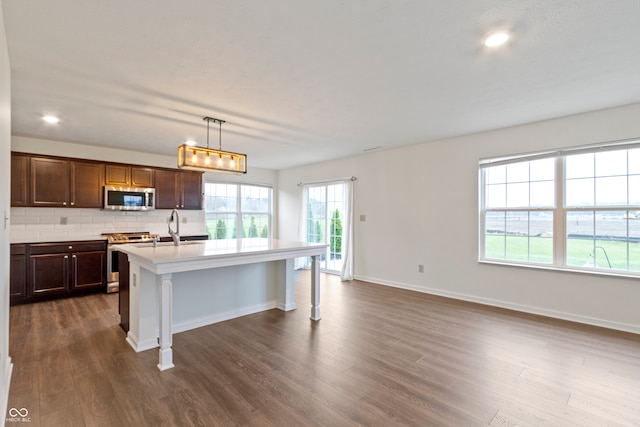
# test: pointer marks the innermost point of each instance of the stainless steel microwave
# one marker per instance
(129, 198)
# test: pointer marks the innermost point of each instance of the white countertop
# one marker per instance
(196, 255)
(56, 239)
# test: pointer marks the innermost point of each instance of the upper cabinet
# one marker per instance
(129, 176)
(19, 180)
(86, 181)
(66, 183)
(48, 181)
(178, 189)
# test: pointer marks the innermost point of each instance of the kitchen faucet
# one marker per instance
(175, 235)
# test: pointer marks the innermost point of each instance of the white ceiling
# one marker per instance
(304, 81)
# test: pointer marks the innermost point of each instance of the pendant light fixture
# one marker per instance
(210, 159)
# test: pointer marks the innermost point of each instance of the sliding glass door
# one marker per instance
(326, 209)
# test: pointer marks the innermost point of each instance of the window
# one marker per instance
(574, 209)
(237, 210)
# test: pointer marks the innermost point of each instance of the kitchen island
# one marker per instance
(178, 288)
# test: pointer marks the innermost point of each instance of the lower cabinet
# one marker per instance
(18, 273)
(57, 269)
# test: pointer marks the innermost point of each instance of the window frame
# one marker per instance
(560, 210)
(238, 212)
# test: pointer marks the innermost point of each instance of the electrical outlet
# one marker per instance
(363, 218)
(184, 220)
(63, 220)
(420, 268)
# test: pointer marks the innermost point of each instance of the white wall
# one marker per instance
(421, 207)
(5, 176)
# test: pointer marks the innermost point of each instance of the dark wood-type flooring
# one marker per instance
(379, 357)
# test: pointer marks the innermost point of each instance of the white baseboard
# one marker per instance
(220, 317)
(4, 389)
(139, 346)
(603, 323)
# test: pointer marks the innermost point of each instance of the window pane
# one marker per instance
(579, 192)
(634, 161)
(634, 190)
(517, 241)
(518, 172)
(543, 170)
(254, 198)
(611, 163)
(496, 175)
(634, 240)
(611, 191)
(494, 235)
(542, 194)
(580, 238)
(610, 251)
(518, 195)
(496, 196)
(221, 226)
(579, 166)
(255, 225)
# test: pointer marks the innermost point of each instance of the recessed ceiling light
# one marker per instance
(51, 119)
(496, 39)
(190, 143)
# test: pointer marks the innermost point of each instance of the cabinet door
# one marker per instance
(118, 175)
(142, 177)
(86, 182)
(88, 270)
(19, 180)
(191, 190)
(49, 182)
(49, 274)
(18, 277)
(167, 189)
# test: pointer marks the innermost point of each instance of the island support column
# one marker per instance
(315, 288)
(165, 360)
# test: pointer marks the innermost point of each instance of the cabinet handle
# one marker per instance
(70, 247)
(73, 256)
(66, 257)
(72, 203)
(64, 203)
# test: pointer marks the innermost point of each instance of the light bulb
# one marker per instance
(207, 160)
(231, 164)
(220, 160)
(194, 158)
(496, 39)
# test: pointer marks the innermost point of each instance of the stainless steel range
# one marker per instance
(115, 239)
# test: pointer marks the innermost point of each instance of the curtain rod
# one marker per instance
(351, 178)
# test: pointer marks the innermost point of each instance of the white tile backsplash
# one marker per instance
(42, 224)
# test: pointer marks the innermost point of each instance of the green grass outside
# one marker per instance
(579, 251)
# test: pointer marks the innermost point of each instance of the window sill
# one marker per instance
(614, 273)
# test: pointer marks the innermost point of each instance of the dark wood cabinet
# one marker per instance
(49, 181)
(129, 176)
(66, 183)
(19, 180)
(63, 268)
(88, 269)
(178, 189)
(85, 185)
(123, 290)
(142, 177)
(18, 273)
